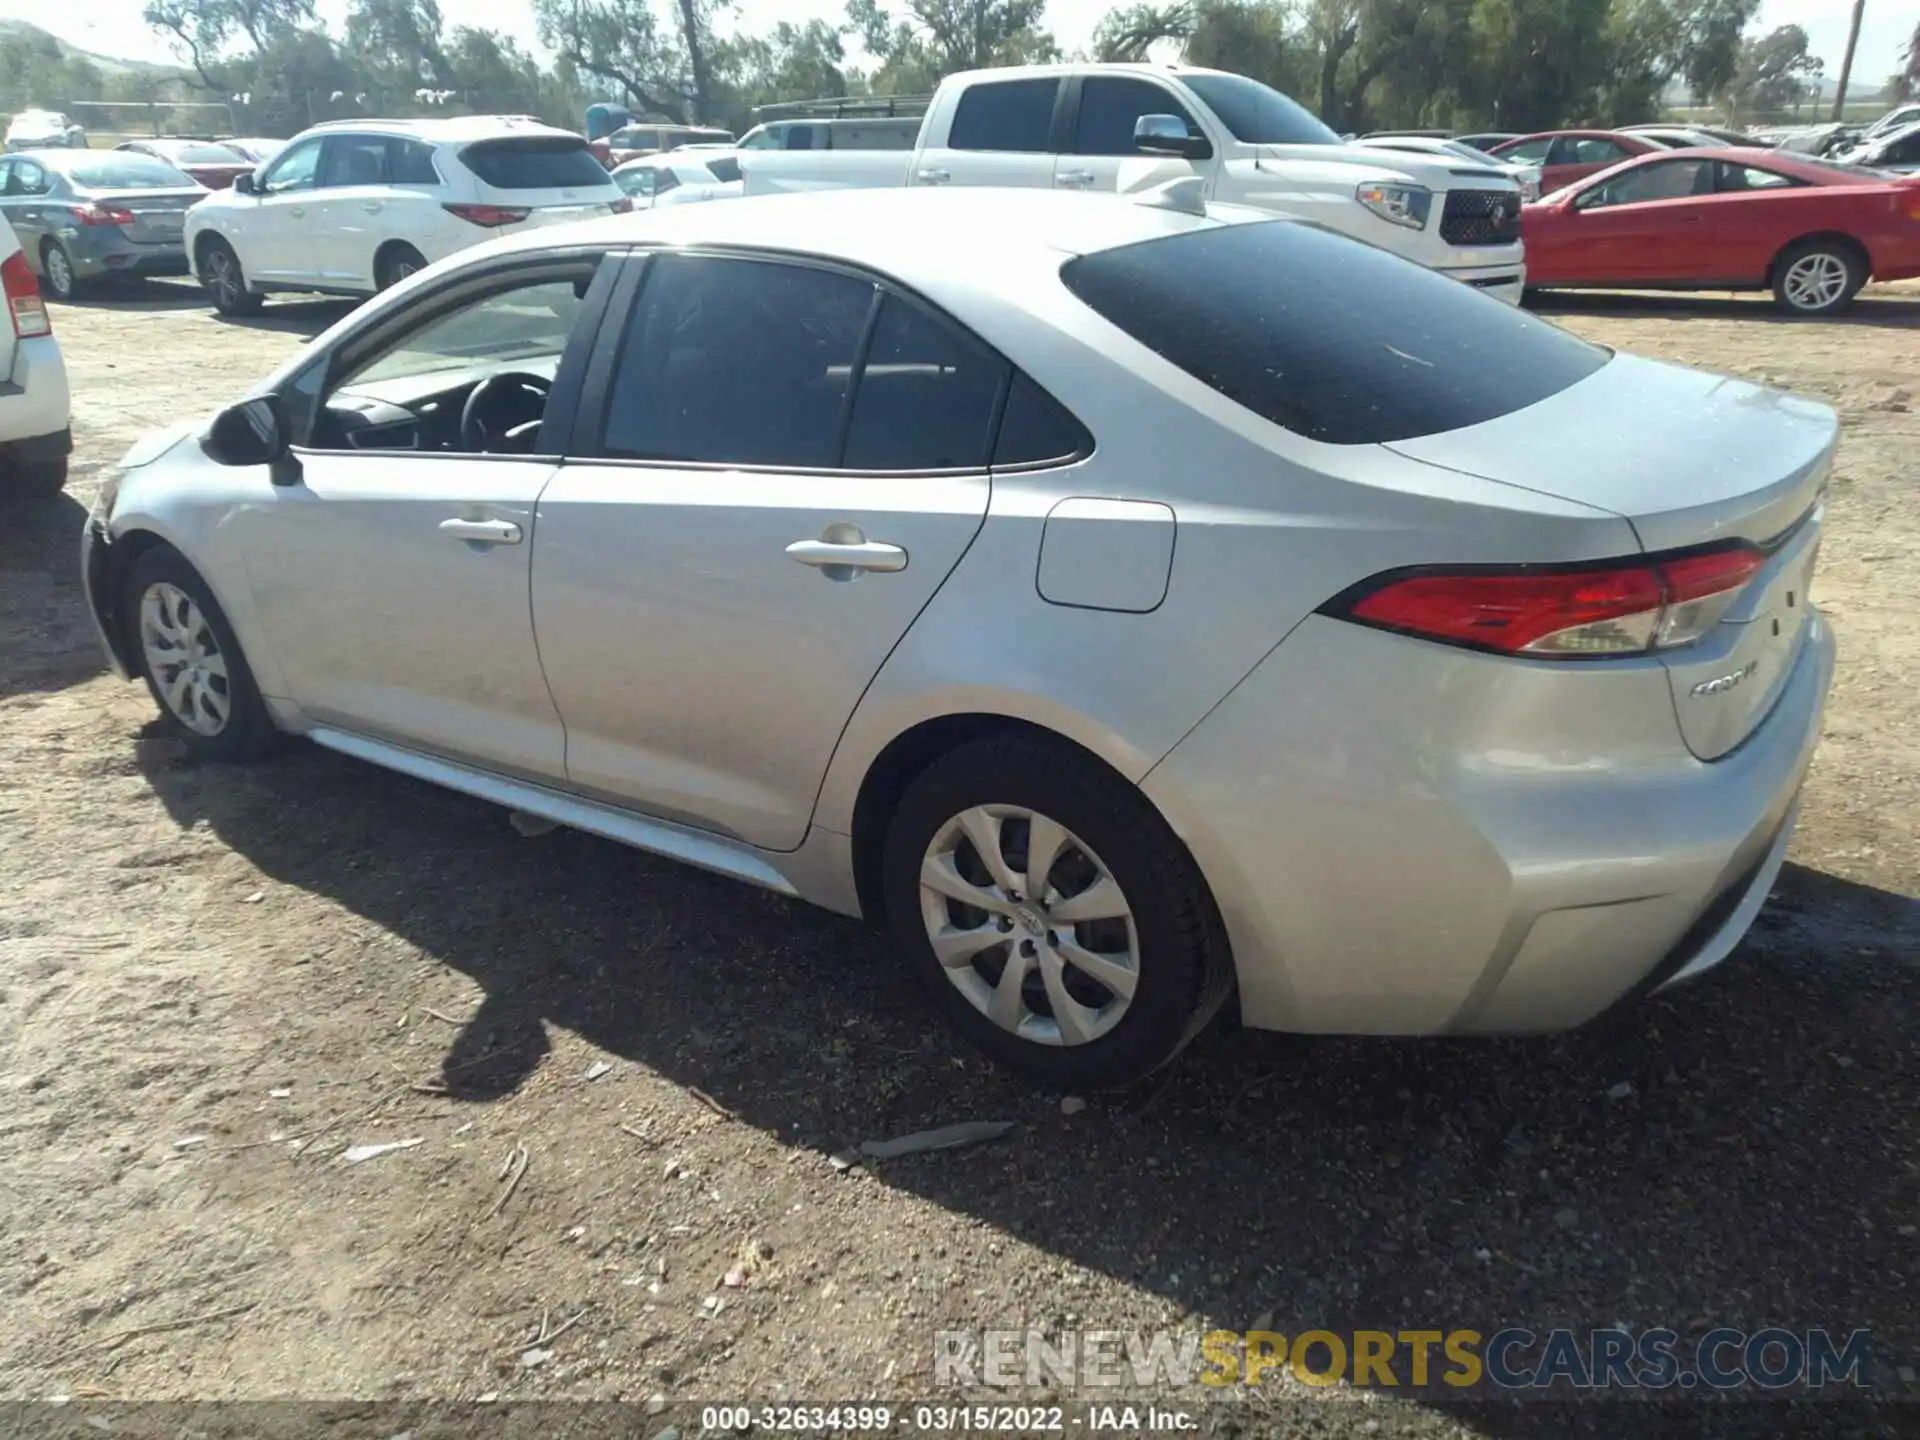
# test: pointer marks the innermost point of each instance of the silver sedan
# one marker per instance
(1130, 604)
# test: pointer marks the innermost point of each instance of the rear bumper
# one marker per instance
(35, 404)
(96, 253)
(1404, 839)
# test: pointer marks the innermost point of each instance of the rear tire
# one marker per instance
(1135, 983)
(225, 281)
(57, 266)
(178, 636)
(1817, 277)
(397, 264)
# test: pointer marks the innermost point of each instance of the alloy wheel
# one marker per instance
(1816, 281)
(184, 659)
(59, 272)
(224, 276)
(1029, 924)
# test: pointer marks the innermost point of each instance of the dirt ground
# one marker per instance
(213, 981)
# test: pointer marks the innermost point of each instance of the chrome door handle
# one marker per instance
(1074, 178)
(482, 532)
(847, 559)
(933, 176)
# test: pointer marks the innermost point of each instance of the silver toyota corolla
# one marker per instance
(1130, 606)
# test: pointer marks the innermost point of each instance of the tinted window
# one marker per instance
(726, 169)
(1035, 429)
(737, 362)
(128, 172)
(1902, 151)
(665, 179)
(1669, 180)
(535, 162)
(1332, 339)
(411, 163)
(1109, 107)
(926, 398)
(355, 160)
(1736, 179)
(1006, 115)
(1257, 114)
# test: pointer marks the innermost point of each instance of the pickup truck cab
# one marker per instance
(1127, 127)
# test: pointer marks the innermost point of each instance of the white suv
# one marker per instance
(353, 206)
(34, 435)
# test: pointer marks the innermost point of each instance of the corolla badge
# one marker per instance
(1720, 684)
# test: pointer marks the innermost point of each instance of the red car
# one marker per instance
(1810, 231)
(1565, 156)
(214, 165)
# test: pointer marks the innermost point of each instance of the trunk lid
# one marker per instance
(1687, 459)
(158, 215)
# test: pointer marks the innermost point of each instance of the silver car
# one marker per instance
(1131, 607)
(82, 215)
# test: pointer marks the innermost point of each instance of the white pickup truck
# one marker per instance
(1074, 127)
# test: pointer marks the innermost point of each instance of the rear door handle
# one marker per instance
(1074, 178)
(482, 532)
(846, 560)
(933, 176)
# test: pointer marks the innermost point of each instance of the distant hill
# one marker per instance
(105, 64)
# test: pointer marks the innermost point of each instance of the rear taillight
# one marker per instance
(24, 306)
(100, 215)
(490, 216)
(1627, 608)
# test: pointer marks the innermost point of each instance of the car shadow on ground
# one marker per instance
(1869, 309)
(304, 315)
(1738, 1153)
(49, 644)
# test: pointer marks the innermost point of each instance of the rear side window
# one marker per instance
(737, 362)
(726, 169)
(1332, 339)
(411, 163)
(1005, 115)
(535, 162)
(927, 396)
(1035, 430)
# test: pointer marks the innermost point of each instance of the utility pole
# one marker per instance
(1846, 65)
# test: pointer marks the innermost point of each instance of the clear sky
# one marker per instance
(112, 27)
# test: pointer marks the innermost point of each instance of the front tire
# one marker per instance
(225, 281)
(1100, 976)
(1817, 277)
(190, 659)
(57, 265)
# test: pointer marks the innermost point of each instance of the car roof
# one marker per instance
(919, 234)
(1814, 172)
(447, 131)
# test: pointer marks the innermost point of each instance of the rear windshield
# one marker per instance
(129, 173)
(203, 155)
(1258, 114)
(535, 162)
(1330, 338)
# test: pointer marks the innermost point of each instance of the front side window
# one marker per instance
(469, 379)
(737, 362)
(1333, 340)
(1527, 152)
(28, 179)
(298, 168)
(1014, 115)
(1111, 105)
(1668, 180)
(355, 160)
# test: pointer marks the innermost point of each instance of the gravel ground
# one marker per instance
(626, 1078)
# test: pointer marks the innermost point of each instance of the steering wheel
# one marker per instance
(475, 434)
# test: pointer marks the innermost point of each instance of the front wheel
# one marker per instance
(1817, 277)
(190, 659)
(1052, 915)
(226, 282)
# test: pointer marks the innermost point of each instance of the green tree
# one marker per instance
(396, 44)
(1771, 74)
(931, 39)
(620, 43)
(202, 30)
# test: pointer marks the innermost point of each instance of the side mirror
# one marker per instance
(1168, 135)
(243, 184)
(254, 432)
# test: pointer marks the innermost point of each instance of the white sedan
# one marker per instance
(684, 176)
(1130, 604)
